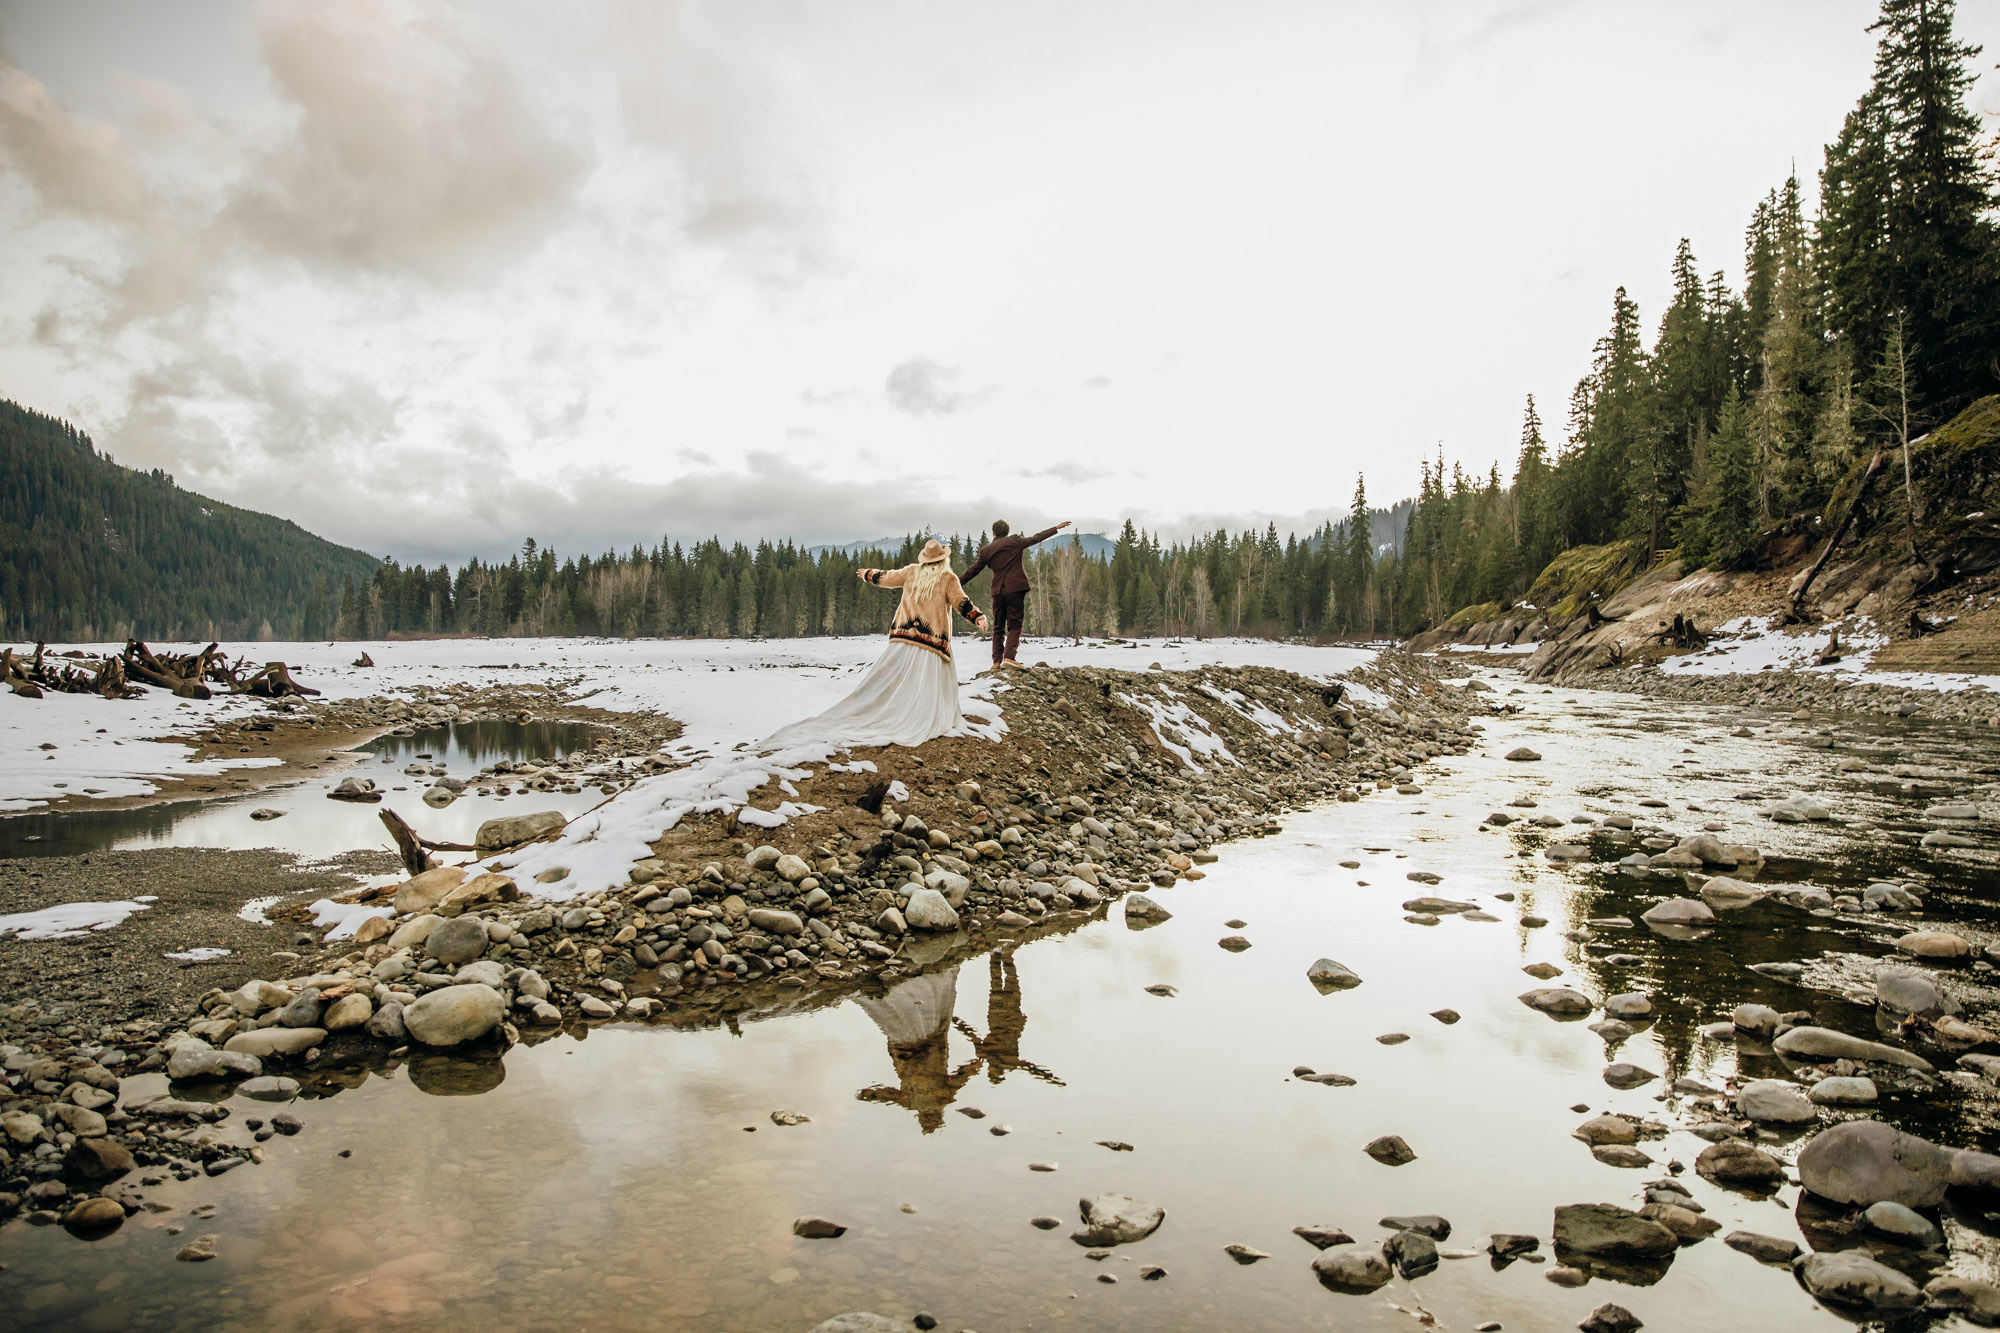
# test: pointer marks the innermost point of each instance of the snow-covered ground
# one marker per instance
(725, 692)
(1752, 644)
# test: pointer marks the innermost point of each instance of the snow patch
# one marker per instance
(68, 920)
(201, 955)
(345, 918)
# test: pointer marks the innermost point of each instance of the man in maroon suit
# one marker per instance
(1003, 555)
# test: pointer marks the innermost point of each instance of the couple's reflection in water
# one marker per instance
(916, 1018)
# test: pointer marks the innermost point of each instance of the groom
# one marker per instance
(1003, 555)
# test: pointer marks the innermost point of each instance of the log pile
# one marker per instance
(124, 675)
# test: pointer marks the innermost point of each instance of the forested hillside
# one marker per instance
(91, 550)
(1858, 328)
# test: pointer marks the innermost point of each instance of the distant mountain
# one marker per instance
(90, 550)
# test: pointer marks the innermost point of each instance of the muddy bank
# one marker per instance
(1106, 783)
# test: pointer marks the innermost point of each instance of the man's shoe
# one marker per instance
(1010, 662)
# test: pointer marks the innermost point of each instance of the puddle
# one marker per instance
(313, 826)
(637, 1173)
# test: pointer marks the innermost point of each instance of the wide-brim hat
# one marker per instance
(933, 552)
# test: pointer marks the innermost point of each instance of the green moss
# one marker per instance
(1473, 615)
(1585, 574)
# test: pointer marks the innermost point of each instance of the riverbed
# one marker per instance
(628, 1176)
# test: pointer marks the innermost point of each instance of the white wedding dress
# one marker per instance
(909, 696)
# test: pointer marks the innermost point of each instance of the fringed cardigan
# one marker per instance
(923, 617)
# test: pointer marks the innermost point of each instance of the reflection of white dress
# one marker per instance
(906, 698)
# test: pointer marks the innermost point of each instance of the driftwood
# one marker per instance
(1683, 633)
(1797, 614)
(1831, 653)
(1920, 627)
(414, 848)
(17, 680)
(121, 675)
(274, 681)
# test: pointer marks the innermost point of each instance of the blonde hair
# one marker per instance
(927, 577)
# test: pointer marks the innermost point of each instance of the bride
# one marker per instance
(911, 693)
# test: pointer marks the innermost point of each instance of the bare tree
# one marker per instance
(1888, 401)
(1069, 588)
(1201, 603)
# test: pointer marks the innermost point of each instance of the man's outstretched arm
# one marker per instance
(977, 565)
(1047, 533)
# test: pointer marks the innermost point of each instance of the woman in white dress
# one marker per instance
(911, 693)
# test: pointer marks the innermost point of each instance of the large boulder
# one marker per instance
(1865, 1161)
(415, 931)
(1602, 1230)
(1355, 1269)
(421, 893)
(191, 1058)
(929, 910)
(1737, 1164)
(1934, 944)
(1811, 1043)
(1724, 893)
(266, 1042)
(1139, 907)
(453, 1015)
(511, 830)
(1770, 1101)
(774, 922)
(1905, 990)
(479, 890)
(1679, 912)
(1851, 1280)
(1116, 1219)
(459, 940)
(1558, 1001)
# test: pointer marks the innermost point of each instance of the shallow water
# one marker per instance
(313, 826)
(605, 1179)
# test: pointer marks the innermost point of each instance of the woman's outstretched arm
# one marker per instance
(886, 578)
(963, 604)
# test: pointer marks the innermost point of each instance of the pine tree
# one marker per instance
(1727, 531)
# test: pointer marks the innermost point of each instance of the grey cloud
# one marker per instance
(73, 164)
(1073, 473)
(417, 149)
(923, 388)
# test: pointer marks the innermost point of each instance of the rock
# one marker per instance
(1799, 810)
(928, 910)
(1557, 1000)
(440, 796)
(349, 1011)
(1624, 1076)
(421, 893)
(763, 858)
(1843, 1092)
(1611, 1317)
(1977, 1300)
(1764, 1249)
(1437, 906)
(1323, 1237)
(1437, 1228)
(1851, 1280)
(1944, 838)
(1507, 1244)
(372, 929)
(1352, 1268)
(199, 1250)
(1522, 755)
(270, 1088)
(1769, 1101)
(302, 1011)
(453, 1015)
(512, 830)
(1116, 1219)
(198, 1060)
(1679, 912)
(1759, 1020)
(791, 868)
(1826, 1044)
(1622, 1155)
(1904, 1225)
(773, 922)
(1601, 1230)
(1244, 1254)
(1542, 971)
(1740, 1165)
(1606, 1129)
(1633, 1004)
(1233, 943)
(97, 1159)
(353, 789)
(1411, 1252)
(1327, 976)
(94, 1217)
(861, 1322)
(817, 1228)
(1687, 1225)
(1138, 907)
(483, 889)
(593, 1007)
(387, 1023)
(267, 1042)
(1390, 1150)
(1724, 893)
(458, 940)
(1934, 944)
(1865, 1161)
(414, 931)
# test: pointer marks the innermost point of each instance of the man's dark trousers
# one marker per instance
(1009, 609)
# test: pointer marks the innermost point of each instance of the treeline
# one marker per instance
(1243, 583)
(1857, 328)
(90, 550)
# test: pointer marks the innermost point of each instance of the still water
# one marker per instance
(313, 826)
(633, 1178)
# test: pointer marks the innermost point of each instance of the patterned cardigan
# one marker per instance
(923, 617)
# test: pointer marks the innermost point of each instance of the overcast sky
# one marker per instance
(431, 279)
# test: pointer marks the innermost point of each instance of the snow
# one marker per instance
(726, 693)
(201, 955)
(253, 911)
(345, 918)
(1181, 729)
(69, 920)
(1749, 645)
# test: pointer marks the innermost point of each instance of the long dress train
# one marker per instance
(906, 698)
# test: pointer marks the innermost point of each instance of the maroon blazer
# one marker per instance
(1003, 555)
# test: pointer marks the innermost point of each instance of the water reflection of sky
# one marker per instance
(312, 825)
(614, 1174)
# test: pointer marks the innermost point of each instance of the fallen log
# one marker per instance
(1797, 614)
(141, 662)
(274, 681)
(16, 680)
(414, 848)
